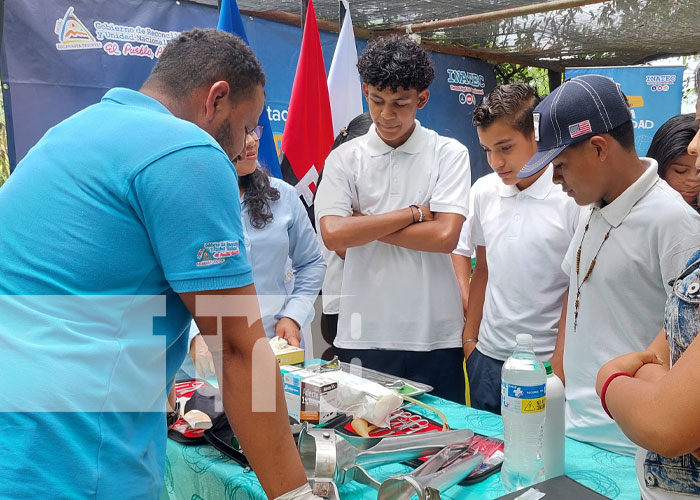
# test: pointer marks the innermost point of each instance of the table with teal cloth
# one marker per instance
(203, 473)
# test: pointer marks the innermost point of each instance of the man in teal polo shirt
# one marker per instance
(102, 254)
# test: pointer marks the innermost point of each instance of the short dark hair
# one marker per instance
(358, 126)
(203, 56)
(671, 140)
(513, 101)
(624, 134)
(396, 61)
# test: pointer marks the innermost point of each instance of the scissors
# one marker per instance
(401, 416)
(416, 426)
(412, 422)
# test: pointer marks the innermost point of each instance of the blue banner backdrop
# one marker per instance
(654, 93)
(59, 56)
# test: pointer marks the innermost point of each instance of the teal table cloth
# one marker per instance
(203, 473)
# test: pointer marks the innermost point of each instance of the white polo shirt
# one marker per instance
(393, 297)
(526, 235)
(333, 280)
(622, 304)
(465, 247)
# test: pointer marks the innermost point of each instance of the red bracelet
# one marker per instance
(605, 388)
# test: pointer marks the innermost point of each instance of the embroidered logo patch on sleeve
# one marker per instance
(216, 252)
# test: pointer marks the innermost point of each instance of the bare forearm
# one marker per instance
(656, 410)
(646, 415)
(661, 414)
(659, 347)
(629, 404)
(263, 434)
(475, 307)
(651, 372)
(431, 236)
(463, 269)
(558, 355)
(441, 234)
(250, 383)
(340, 233)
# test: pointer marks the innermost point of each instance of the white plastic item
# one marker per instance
(523, 386)
(553, 440)
(361, 398)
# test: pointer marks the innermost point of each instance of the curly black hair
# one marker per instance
(258, 193)
(514, 101)
(396, 61)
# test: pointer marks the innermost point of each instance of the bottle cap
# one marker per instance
(547, 367)
(523, 338)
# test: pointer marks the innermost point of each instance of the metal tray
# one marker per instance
(404, 387)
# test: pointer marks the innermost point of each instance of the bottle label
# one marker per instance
(522, 398)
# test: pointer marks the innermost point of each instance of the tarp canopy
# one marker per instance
(619, 32)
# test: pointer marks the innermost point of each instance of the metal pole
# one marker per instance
(304, 6)
(502, 14)
(341, 14)
(2, 19)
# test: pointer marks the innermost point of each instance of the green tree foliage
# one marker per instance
(512, 73)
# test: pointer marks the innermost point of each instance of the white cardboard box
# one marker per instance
(319, 399)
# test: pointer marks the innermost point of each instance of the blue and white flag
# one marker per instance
(344, 85)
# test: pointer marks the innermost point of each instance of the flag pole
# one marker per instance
(304, 6)
(341, 14)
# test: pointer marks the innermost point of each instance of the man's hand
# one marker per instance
(201, 357)
(628, 363)
(302, 493)
(287, 329)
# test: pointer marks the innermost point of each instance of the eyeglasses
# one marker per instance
(256, 132)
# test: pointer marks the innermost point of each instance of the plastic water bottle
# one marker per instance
(523, 385)
(554, 427)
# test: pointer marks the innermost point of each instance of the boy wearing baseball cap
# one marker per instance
(627, 246)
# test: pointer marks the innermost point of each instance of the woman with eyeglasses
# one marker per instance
(281, 245)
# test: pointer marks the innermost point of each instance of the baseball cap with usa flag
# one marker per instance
(579, 108)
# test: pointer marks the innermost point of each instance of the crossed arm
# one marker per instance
(658, 408)
(438, 232)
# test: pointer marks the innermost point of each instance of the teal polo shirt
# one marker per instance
(114, 212)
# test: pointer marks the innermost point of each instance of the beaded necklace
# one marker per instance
(590, 267)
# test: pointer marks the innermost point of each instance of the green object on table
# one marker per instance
(407, 390)
(202, 471)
